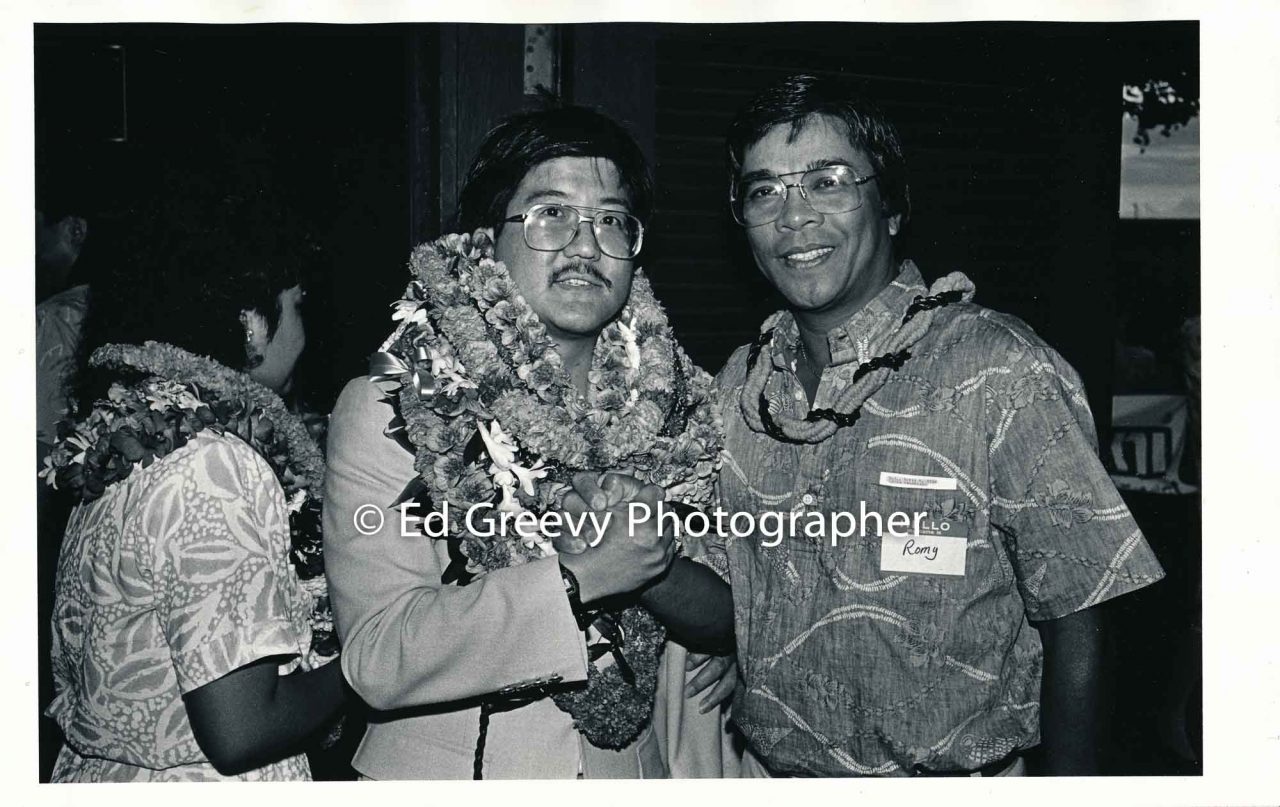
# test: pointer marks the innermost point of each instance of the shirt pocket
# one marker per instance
(950, 609)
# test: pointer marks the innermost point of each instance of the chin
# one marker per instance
(586, 321)
(591, 327)
(805, 297)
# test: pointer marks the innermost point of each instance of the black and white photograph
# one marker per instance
(716, 398)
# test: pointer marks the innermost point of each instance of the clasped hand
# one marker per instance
(628, 555)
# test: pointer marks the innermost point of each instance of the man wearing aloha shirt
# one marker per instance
(527, 350)
(951, 649)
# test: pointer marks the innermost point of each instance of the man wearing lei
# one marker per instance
(951, 643)
(491, 639)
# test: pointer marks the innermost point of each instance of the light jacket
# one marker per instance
(423, 654)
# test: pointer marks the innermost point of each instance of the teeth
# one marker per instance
(573, 281)
(811, 255)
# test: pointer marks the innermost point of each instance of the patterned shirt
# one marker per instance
(851, 670)
(175, 577)
(59, 322)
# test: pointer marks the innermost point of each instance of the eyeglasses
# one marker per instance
(552, 227)
(831, 189)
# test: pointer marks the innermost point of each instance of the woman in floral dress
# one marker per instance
(190, 624)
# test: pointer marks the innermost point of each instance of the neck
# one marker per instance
(815, 324)
(814, 342)
(575, 356)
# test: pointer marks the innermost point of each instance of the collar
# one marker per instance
(857, 339)
(73, 297)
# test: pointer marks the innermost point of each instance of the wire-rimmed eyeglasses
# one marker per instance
(760, 198)
(552, 227)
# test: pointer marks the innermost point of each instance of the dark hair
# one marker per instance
(512, 148)
(794, 99)
(207, 242)
(57, 199)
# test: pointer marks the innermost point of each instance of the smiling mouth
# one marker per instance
(578, 283)
(807, 258)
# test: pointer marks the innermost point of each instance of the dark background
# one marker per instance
(1012, 133)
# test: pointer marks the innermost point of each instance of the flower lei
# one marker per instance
(870, 376)
(484, 404)
(166, 397)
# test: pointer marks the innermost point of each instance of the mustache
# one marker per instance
(582, 269)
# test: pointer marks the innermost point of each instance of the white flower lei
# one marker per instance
(181, 394)
(483, 403)
(471, 359)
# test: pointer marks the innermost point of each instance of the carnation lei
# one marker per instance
(483, 403)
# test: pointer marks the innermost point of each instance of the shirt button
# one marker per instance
(807, 499)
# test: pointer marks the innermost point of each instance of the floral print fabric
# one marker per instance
(850, 670)
(177, 576)
(59, 321)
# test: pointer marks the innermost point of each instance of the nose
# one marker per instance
(797, 213)
(583, 244)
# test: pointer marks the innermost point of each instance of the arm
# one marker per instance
(690, 599)
(253, 716)
(228, 602)
(1069, 692)
(1069, 538)
(695, 604)
(408, 640)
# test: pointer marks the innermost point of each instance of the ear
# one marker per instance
(489, 232)
(73, 229)
(895, 223)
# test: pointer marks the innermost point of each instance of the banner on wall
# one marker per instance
(1148, 438)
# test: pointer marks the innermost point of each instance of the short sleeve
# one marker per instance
(1070, 537)
(219, 532)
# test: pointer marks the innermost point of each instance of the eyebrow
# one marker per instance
(823, 162)
(546, 193)
(552, 193)
(616, 200)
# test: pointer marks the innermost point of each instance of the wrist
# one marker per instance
(572, 590)
(656, 586)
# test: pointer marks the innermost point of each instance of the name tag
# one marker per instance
(939, 549)
(890, 480)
